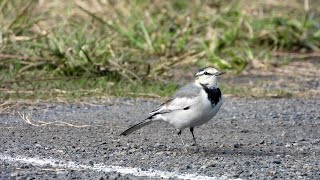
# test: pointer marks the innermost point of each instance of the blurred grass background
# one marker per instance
(74, 49)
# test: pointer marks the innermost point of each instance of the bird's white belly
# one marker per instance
(198, 114)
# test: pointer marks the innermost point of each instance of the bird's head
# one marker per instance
(208, 76)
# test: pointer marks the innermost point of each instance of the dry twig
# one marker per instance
(28, 120)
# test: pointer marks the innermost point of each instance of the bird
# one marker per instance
(191, 106)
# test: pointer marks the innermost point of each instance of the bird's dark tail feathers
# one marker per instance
(137, 126)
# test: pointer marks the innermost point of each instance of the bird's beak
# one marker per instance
(219, 73)
(198, 74)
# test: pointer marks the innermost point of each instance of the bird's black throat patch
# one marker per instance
(214, 94)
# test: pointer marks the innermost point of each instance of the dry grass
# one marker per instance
(28, 119)
(104, 44)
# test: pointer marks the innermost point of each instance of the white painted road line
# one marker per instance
(55, 163)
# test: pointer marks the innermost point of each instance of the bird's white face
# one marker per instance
(208, 76)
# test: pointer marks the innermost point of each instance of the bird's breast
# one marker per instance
(209, 108)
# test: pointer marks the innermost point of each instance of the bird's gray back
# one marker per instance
(190, 90)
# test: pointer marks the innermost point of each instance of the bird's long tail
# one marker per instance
(133, 128)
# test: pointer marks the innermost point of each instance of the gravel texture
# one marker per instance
(249, 139)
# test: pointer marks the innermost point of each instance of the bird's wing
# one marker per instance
(183, 99)
(182, 103)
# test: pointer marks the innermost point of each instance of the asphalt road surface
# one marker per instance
(248, 139)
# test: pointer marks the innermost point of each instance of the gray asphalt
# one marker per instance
(248, 139)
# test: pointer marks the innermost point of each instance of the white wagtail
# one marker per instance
(192, 105)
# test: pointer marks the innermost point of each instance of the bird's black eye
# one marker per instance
(206, 73)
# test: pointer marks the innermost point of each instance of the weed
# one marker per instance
(138, 42)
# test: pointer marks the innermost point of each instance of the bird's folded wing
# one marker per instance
(175, 104)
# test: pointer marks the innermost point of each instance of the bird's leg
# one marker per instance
(179, 134)
(194, 139)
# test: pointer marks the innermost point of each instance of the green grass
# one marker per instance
(70, 89)
(113, 48)
(255, 92)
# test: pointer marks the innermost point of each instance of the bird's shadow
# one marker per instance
(214, 151)
(229, 151)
